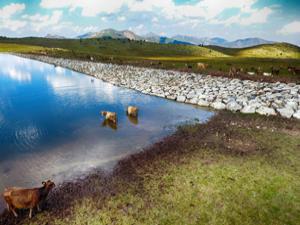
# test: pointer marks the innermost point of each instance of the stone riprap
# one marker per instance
(217, 92)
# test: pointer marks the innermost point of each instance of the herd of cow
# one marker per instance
(20, 198)
(258, 71)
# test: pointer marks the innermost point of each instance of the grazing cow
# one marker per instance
(234, 71)
(19, 198)
(201, 66)
(110, 116)
(275, 71)
(267, 74)
(132, 111)
(294, 70)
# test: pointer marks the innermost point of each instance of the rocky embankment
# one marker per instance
(203, 90)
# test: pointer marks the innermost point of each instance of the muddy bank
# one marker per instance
(220, 93)
(219, 134)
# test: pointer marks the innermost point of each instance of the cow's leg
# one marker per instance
(38, 207)
(8, 208)
(30, 213)
(14, 212)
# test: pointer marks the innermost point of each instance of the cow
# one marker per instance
(132, 111)
(201, 66)
(294, 70)
(20, 198)
(110, 116)
(275, 71)
(234, 71)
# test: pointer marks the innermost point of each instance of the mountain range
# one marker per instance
(178, 39)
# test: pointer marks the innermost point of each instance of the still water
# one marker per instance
(51, 128)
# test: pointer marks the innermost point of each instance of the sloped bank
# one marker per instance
(203, 90)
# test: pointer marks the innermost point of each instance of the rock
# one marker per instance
(218, 105)
(267, 111)
(203, 102)
(181, 98)
(297, 115)
(286, 112)
(249, 109)
(192, 101)
(233, 106)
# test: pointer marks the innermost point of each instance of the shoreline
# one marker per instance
(128, 177)
(219, 93)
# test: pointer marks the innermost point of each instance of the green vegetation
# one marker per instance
(245, 171)
(167, 56)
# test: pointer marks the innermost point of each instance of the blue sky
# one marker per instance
(277, 20)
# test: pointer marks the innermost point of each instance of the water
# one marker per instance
(51, 128)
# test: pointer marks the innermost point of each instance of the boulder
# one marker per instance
(218, 105)
(267, 111)
(249, 109)
(286, 112)
(233, 106)
(297, 115)
(203, 102)
(181, 98)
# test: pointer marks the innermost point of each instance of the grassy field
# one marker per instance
(245, 171)
(167, 56)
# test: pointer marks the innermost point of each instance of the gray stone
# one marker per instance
(286, 112)
(233, 106)
(218, 105)
(297, 115)
(203, 102)
(267, 111)
(181, 98)
(249, 109)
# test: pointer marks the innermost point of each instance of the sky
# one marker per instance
(275, 20)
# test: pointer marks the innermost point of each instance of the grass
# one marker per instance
(237, 169)
(167, 56)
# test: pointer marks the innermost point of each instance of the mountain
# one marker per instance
(247, 42)
(200, 41)
(111, 33)
(54, 36)
(152, 37)
(240, 43)
(177, 39)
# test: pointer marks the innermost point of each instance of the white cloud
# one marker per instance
(39, 21)
(154, 20)
(121, 18)
(9, 10)
(291, 28)
(6, 22)
(257, 16)
(207, 9)
(89, 7)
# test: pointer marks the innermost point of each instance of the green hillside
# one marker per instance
(219, 60)
(276, 50)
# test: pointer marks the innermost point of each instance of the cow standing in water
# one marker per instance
(20, 198)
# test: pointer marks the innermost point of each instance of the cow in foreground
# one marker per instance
(20, 198)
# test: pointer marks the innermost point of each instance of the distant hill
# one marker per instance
(240, 43)
(54, 36)
(247, 42)
(177, 39)
(113, 34)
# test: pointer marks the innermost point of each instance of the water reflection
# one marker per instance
(133, 120)
(110, 124)
(50, 127)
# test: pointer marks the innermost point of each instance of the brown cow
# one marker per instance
(20, 198)
(111, 116)
(201, 66)
(132, 111)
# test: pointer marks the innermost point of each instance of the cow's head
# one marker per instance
(48, 184)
